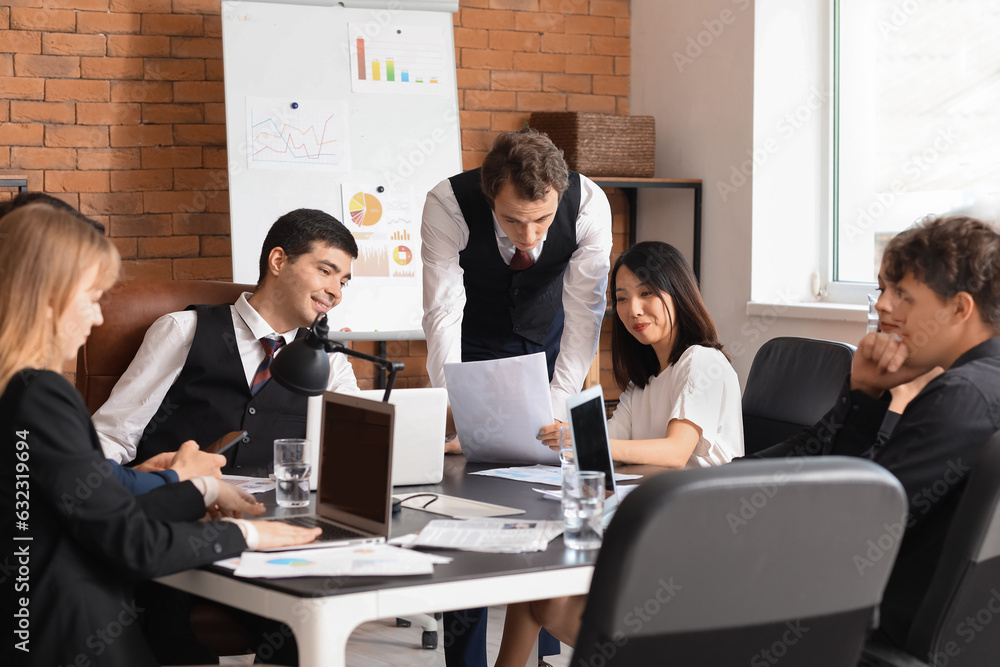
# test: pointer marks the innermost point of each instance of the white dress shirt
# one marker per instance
(139, 393)
(700, 387)
(445, 233)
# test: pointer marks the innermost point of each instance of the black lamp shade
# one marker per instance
(302, 368)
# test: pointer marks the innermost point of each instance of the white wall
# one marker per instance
(693, 69)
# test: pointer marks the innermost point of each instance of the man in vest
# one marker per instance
(516, 258)
(204, 371)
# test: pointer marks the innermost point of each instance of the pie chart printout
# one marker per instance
(366, 209)
(386, 225)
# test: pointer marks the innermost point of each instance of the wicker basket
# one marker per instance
(597, 144)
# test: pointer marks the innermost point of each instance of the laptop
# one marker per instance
(418, 434)
(588, 426)
(354, 494)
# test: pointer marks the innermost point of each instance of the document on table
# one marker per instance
(252, 485)
(457, 508)
(539, 474)
(490, 535)
(556, 494)
(354, 561)
(499, 406)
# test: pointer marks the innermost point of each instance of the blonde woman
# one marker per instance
(76, 539)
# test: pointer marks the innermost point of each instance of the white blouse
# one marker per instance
(700, 387)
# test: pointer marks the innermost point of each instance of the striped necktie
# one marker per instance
(521, 260)
(263, 373)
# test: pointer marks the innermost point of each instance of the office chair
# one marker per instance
(129, 308)
(956, 623)
(792, 383)
(744, 564)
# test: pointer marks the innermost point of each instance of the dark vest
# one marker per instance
(211, 398)
(501, 303)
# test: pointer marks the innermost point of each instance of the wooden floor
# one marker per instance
(382, 644)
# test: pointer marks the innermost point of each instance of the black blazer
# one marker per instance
(74, 539)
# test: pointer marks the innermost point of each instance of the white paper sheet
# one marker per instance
(539, 474)
(252, 485)
(556, 494)
(490, 535)
(499, 406)
(359, 560)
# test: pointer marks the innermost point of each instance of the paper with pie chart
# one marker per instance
(359, 560)
(382, 221)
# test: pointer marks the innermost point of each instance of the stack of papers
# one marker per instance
(490, 535)
(539, 474)
(355, 561)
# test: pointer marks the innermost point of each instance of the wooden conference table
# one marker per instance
(324, 611)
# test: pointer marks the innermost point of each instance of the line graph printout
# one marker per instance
(297, 134)
(400, 60)
(381, 223)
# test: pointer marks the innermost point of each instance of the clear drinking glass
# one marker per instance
(291, 471)
(583, 509)
(872, 313)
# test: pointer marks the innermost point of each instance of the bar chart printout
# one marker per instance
(297, 134)
(401, 60)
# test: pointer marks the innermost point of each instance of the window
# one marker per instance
(916, 127)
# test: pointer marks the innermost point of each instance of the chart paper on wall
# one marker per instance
(297, 134)
(399, 60)
(382, 221)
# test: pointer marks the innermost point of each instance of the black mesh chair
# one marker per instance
(744, 564)
(958, 623)
(792, 383)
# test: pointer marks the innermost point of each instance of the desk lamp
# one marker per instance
(303, 367)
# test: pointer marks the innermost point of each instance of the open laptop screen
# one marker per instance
(356, 461)
(589, 429)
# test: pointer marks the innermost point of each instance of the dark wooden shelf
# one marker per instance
(630, 186)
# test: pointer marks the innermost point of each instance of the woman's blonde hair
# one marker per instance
(43, 254)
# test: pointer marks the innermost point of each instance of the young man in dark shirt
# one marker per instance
(939, 307)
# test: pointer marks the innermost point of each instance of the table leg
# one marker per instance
(322, 627)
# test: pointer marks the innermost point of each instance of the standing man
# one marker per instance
(205, 371)
(516, 257)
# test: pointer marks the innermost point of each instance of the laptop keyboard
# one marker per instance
(330, 531)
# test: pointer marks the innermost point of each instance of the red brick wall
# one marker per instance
(519, 56)
(117, 106)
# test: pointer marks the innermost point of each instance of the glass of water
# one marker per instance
(873, 324)
(583, 509)
(291, 471)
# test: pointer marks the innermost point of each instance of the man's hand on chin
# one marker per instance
(880, 364)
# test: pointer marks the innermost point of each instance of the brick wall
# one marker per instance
(519, 56)
(117, 106)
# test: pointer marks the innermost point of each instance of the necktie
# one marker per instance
(521, 260)
(263, 373)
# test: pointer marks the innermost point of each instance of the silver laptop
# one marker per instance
(418, 434)
(354, 494)
(588, 426)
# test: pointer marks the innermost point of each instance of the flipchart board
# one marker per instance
(352, 110)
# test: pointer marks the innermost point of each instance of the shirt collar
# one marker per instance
(257, 325)
(503, 236)
(988, 348)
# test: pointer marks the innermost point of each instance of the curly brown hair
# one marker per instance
(951, 254)
(529, 161)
